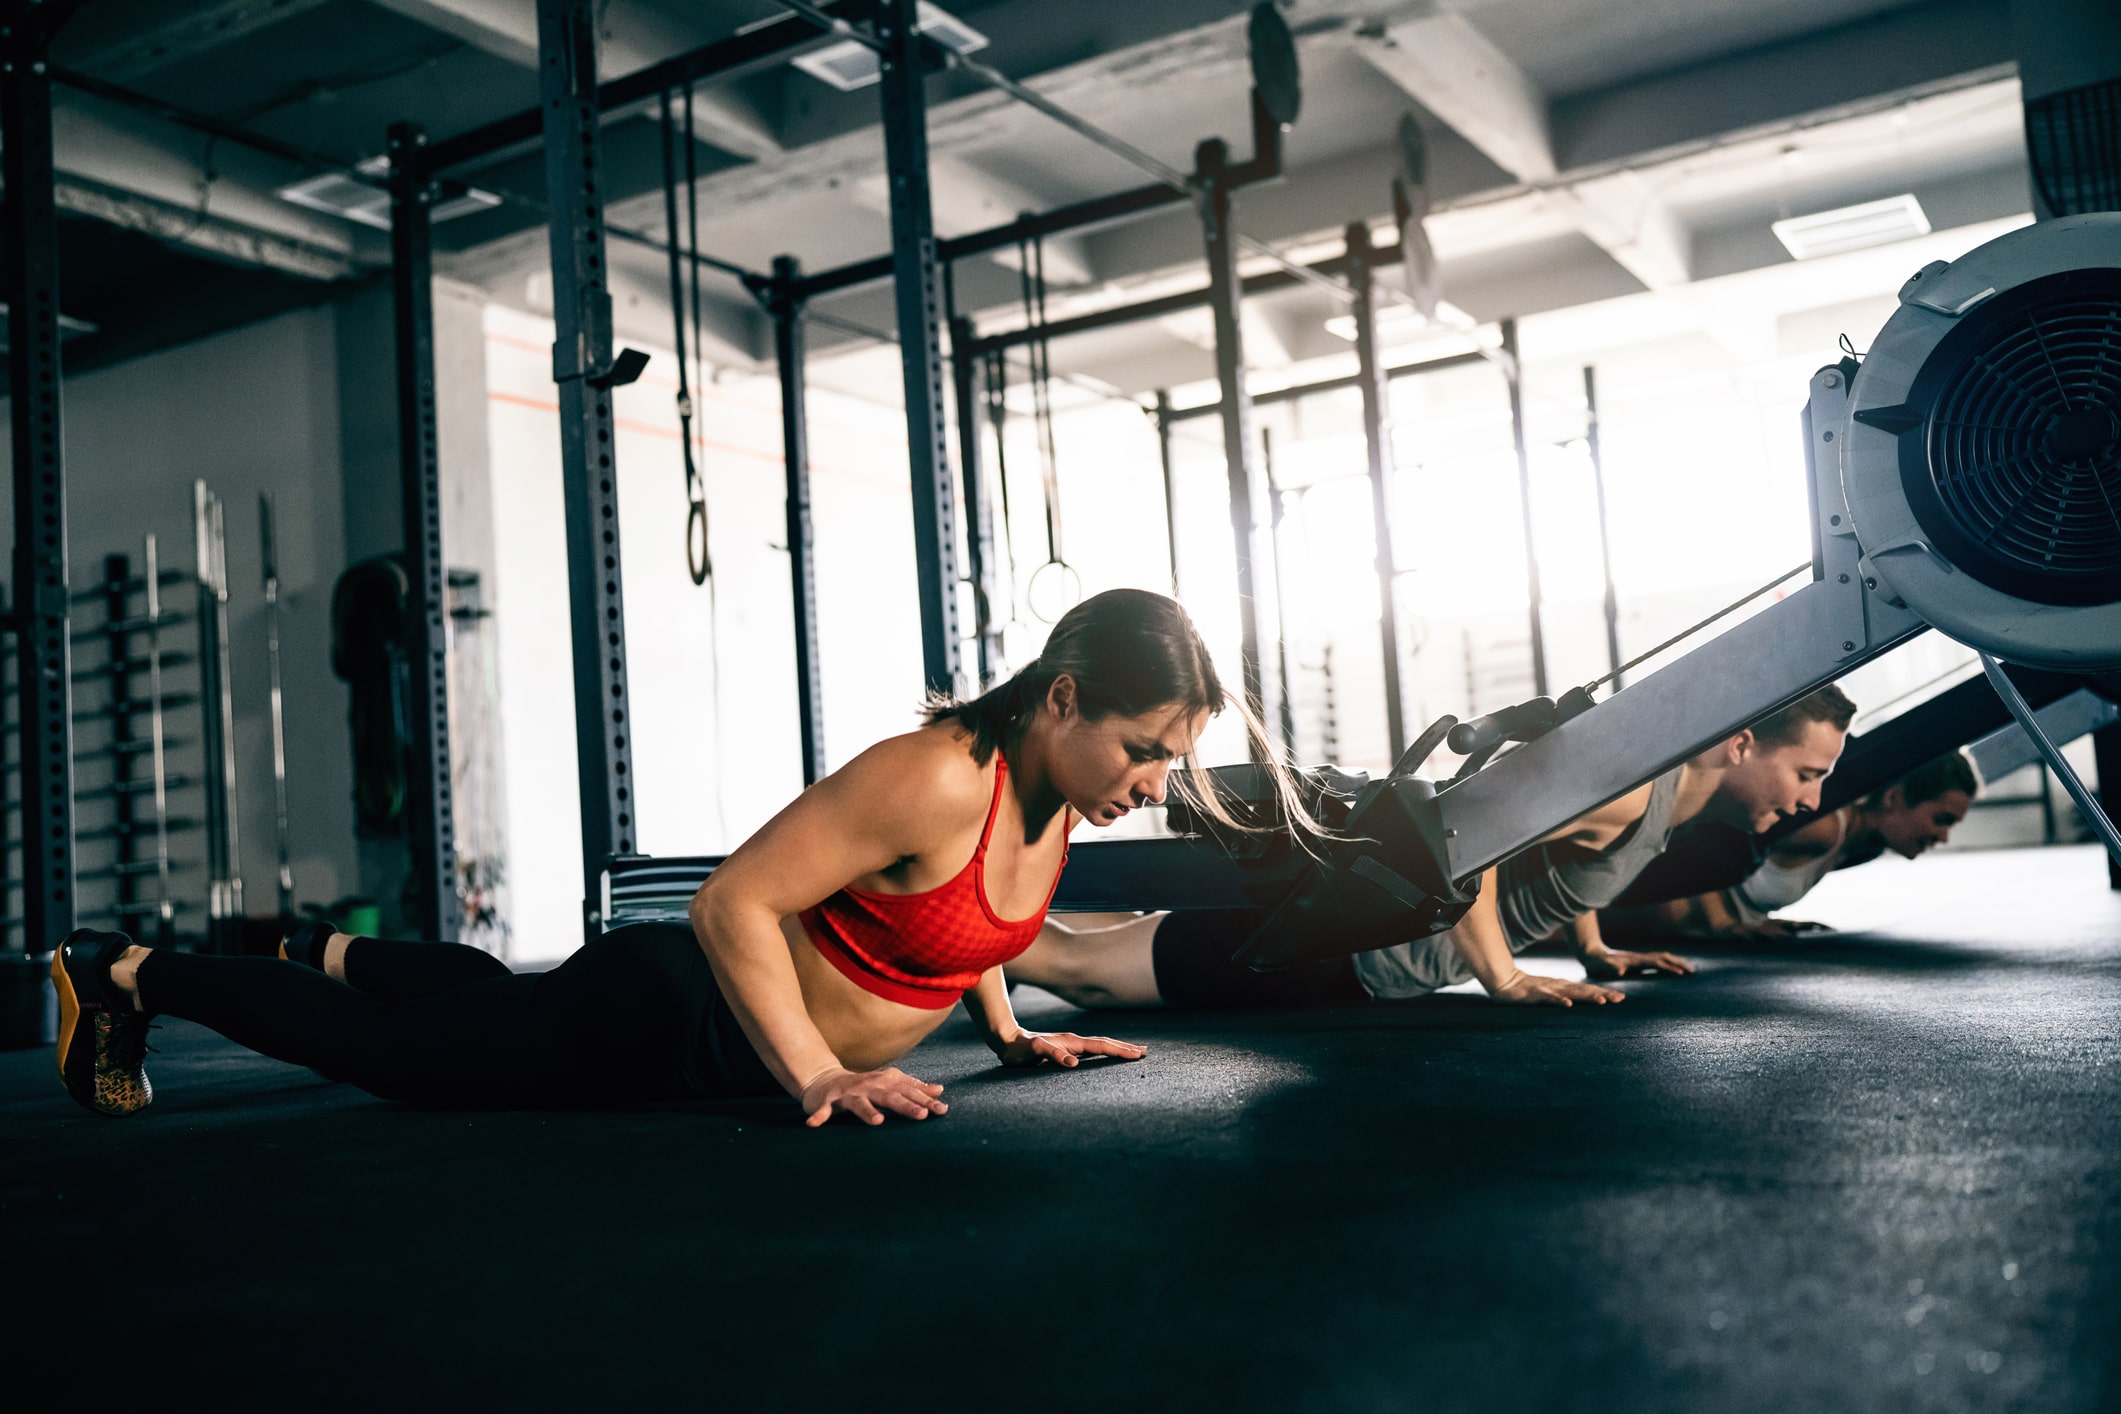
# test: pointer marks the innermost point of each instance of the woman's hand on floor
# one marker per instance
(1616, 962)
(868, 1095)
(1531, 989)
(1064, 1048)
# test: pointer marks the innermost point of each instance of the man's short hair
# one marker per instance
(1952, 771)
(1786, 727)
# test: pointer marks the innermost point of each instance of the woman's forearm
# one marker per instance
(749, 955)
(988, 1005)
(1481, 940)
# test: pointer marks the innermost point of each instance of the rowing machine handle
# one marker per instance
(1520, 723)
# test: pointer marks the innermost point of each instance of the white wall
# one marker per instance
(713, 760)
(253, 410)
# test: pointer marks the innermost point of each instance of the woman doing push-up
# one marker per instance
(826, 947)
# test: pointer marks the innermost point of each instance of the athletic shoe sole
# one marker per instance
(83, 1034)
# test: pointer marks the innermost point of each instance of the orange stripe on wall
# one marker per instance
(710, 393)
(649, 430)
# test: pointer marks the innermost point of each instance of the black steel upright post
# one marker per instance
(1605, 542)
(787, 307)
(1278, 502)
(979, 511)
(2106, 760)
(429, 813)
(29, 282)
(117, 588)
(1170, 465)
(581, 367)
(915, 273)
(1249, 511)
(1515, 373)
(1377, 441)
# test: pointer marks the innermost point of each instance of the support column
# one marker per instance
(29, 282)
(429, 809)
(788, 352)
(1278, 501)
(1524, 491)
(1163, 451)
(1249, 511)
(1605, 542)
(1377, 440)
(2106, 760)
(979, 512)
(581, 371)
(915, 275)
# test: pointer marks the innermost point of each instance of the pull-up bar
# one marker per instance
(1328, 385)
(1263, 283)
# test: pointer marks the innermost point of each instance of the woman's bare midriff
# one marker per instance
(864, 1030)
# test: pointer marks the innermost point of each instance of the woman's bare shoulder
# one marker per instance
(929, 770)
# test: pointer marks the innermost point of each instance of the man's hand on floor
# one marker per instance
(1788, 928)
(1531, 989)
(1616, 962)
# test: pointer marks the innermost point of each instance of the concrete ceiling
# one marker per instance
(1579, 148)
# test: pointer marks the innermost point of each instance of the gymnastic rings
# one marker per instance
(1064, 588)
(697, 558)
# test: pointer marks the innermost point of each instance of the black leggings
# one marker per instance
(1193, 953)
(634, 1016)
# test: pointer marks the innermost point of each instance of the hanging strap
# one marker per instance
(1031, 265)
(697, 557)
(997, 391)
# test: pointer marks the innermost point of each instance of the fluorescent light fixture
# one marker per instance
(1846, 228)
(850, 64)
(352, 199)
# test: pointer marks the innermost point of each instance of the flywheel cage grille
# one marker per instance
(2021, 447)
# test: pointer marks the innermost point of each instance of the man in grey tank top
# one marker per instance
(1907, 818)
(1769, 771)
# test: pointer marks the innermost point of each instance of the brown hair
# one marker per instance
(1129, 651)
(1786, 726)
(1952, 771)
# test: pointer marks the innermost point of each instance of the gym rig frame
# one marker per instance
(1814, 636)
(1443, 837)
(586, 366)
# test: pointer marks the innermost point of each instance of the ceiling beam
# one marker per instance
(1904, 52)
(219, 238)
(121, 40)
(633, 38)
(124, 153)
(1452, 69)
(965, 199)
(1623, 215)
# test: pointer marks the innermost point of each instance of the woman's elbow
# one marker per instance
(722, 907)
(711, 906)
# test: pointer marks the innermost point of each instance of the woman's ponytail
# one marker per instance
(1130, 651)
(996, 717)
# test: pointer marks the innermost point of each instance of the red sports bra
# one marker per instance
(927, 949)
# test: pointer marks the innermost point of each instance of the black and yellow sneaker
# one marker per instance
(102, 1040)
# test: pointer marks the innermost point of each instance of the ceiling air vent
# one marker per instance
(1897, 218)
(852, 64)
(348, 196)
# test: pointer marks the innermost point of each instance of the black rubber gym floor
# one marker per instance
(1868, 1172)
